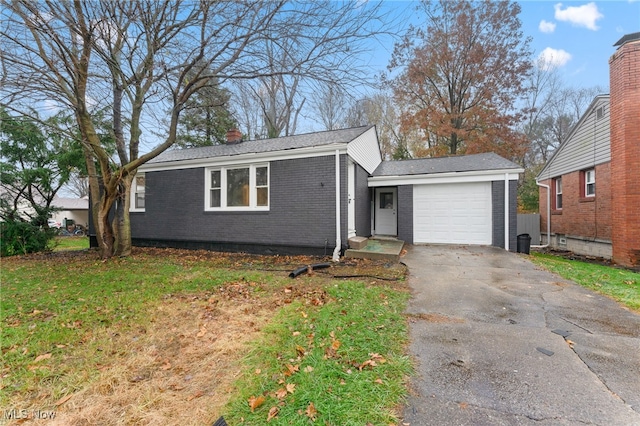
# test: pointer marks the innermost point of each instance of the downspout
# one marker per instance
(506, 211)
(548, 188)
(336, 251)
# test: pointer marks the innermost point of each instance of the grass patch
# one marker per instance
(69, 243)
(161, 337)
(340, 363)
(620, 284)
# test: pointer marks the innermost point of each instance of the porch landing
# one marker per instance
(377, 249)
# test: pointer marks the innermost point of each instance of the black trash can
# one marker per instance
(524, 243)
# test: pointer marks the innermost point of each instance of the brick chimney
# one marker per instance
(624, 75)
(234, 136)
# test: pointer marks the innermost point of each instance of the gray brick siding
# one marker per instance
(301, 214)
(363, 203)
(497, 200)
(405, 213)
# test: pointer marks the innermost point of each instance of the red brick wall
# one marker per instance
(586, 217)
(624, 74)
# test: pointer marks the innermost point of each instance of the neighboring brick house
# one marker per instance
(590, 185)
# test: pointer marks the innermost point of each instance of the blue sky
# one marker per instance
(579, 35)
(585, 31)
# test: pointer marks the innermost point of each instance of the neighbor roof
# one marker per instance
(307, 140)
(71, 203)
(464, 163)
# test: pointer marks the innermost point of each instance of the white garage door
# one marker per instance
(456, 213)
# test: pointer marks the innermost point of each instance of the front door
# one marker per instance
(386, 219)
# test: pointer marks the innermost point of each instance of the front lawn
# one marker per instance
(183, 337)
(620, 284)
(69, 243)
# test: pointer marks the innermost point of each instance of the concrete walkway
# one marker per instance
(499, 342)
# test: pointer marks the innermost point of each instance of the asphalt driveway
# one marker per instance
(499, 342)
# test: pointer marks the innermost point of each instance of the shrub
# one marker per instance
(19, 237)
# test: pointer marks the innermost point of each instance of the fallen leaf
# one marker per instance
(290, 387)
(300, 350)
(378, 381)
(311, 411)
(295, 333)
(258, 371)
(41, 357)
(166, 366)
(202, 332)
(255, 402)
(273, 412)
(291, 369)
(62, 400)
(198, 394)
(308, 369)
(281, 393)
(335, 345)
(371, 363)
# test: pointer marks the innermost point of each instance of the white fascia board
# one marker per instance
(256, 157)
(452, 177)
(365, 150)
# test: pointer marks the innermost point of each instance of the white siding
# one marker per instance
(587, 145)
(365, 150)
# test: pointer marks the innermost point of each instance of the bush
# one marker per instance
(19, 237)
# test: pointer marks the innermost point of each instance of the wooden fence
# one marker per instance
(530, 224)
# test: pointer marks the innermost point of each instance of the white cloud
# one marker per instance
(551, 58)
(547, 27)
(581, 16)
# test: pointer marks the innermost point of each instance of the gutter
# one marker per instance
(336, 251)
(548, 188)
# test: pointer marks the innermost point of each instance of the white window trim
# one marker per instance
(587, 182)
(134, 186)
(253, 196)
(559, 179)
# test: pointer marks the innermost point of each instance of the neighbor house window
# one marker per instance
(558, 186)
(237, 188)
(138, 193)
(590, 183)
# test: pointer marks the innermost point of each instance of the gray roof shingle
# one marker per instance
(464, 163)
(263, 145)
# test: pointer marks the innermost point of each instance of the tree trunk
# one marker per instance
(121, 220)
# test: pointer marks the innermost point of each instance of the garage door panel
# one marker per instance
(453, 213)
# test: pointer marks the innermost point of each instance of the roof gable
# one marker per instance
(587, 145)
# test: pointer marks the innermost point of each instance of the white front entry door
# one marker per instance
(386, 210)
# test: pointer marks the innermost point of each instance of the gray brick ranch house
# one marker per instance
(309, 193)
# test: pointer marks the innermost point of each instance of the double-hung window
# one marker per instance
(558, 185)
(590, 183)
(237, 187)
(137, 193)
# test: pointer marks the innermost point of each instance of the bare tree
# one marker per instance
(379, 109)
(329, 106)
(144, 58)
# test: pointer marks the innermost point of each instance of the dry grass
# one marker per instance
(179, 370)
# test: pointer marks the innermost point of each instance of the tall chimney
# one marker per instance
(624, 76)
(234, 136)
